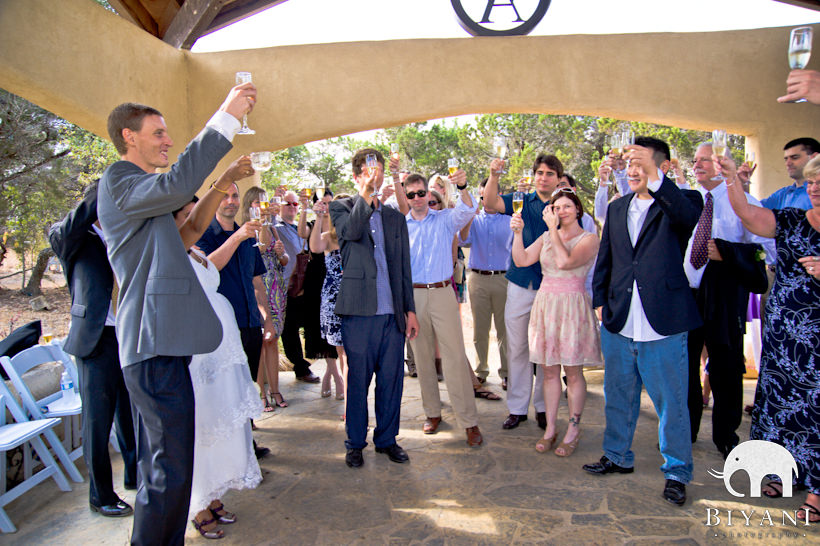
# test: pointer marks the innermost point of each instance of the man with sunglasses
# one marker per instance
(431, 235)
(523, 286)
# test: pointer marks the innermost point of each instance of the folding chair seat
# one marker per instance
(20, 432)
(22, 362)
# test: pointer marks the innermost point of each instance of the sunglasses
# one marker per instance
(413, 194)
(289, 204)
(564, 190)
(433, 202)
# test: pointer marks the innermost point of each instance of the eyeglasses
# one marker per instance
(413, 194)
(433, 202)
(290, 204)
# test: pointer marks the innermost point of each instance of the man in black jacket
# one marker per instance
(376, 305)
(77, 241)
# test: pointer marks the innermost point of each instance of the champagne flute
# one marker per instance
(255, 216)
(527, 176)
(452, 165)
(319, 190)
(518, 201)
(673, 161)
(371, 167)
(260, 161)
(47, 334)
(800, 49)
(264, 206)
(500, 150)
(244, 77)
(394, 150)
(719, 148)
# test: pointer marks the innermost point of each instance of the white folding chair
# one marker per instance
(22, 362)
(12, 435)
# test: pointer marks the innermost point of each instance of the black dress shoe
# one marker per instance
(354, 458)
(118, 510)
(395, 453)
(309, 378)
(605, 466)
(260, 451)
(513, 421)
(541, 419)
(130, 486)
(674, 492)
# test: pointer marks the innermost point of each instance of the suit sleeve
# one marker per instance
(142, 195)
(741, 260)
(603, 267)
(406, 274)
(66, 235)
(351, 225)
(683, 208)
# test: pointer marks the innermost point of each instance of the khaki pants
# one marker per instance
(437, 312)
(488, 296)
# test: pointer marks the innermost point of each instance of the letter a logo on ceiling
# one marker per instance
(758, 458)
(500, 17)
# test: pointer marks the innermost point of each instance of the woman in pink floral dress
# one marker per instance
(563, 330)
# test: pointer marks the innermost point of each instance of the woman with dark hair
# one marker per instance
(275, 258)
(563, 330)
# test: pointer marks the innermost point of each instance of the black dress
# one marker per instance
(315, 345)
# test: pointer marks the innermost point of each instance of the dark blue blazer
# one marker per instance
(87, 272)
(656, 262)
(357, 292)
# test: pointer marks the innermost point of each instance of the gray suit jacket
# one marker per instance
(162, 309)
(357, 293)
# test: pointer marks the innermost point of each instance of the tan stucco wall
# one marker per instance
(79, 61)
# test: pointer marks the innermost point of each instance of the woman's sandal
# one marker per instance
(268, 406)
(777, 487)
(280, 402)
(567, 449)
(485, 394)
(215, 532)
(545, 444)
(811, 510)
(225, 517)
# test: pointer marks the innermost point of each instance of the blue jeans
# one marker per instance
(663, 368)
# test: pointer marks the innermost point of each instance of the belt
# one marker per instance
(483, 272)
(441, 284)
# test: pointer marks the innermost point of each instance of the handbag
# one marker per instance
(296, 285)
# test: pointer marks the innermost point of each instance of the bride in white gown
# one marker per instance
(225, 396)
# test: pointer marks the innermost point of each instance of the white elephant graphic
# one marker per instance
(758, 458)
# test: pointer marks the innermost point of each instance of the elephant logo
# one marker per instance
(758, 458)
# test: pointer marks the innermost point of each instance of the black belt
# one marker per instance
(484, 272)
(441, 284)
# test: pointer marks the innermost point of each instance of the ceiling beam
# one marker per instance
(191, 22)
(135, 12)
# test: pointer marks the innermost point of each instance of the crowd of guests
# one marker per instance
(206, 289)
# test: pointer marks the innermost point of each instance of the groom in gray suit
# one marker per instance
(163, 316)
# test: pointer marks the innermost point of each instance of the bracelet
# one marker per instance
(213, 187)
(464, 187)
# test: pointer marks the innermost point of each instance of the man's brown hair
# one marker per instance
(128, 115)
(359, 159)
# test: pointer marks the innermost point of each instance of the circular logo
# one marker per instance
(500, 17)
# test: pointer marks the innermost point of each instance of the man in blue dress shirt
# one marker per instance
(523, 286)
(431, 235)
(796, 153)
(490, 240)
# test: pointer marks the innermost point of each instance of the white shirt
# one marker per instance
(224, 124)
(727, 226)
(110, 318)
(637, 326)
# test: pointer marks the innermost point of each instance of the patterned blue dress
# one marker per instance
(787, 408)
(329, 321)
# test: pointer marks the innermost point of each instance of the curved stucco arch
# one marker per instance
(79, 61)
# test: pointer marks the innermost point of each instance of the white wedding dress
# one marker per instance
(226, 399)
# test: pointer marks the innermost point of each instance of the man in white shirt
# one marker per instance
(720, 285)
(638, 278)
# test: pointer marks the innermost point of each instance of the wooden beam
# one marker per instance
(808, 4)
(134, 11)
(191, 21)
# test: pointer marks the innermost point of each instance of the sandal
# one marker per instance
(811, 510)
(777, 487)
(225, 517)
(486, 395)
(545, 444)
(565, 450)
(280, 402)
(215, 532)
(268, 406)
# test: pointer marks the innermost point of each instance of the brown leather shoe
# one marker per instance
(431, 425)
(474, 438)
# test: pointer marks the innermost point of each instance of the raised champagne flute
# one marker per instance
(719, 148)
(518, 201)
(800, 49)
(255, 216)
(264, 208)
(260, 161)
(673, 162)
(500, 150)
(394, 150)
(244, 77)
(527, 176)
(319, 190)
(371, 168)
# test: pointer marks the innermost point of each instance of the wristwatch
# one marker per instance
(464, 187)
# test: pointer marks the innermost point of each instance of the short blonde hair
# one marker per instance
(812, 168)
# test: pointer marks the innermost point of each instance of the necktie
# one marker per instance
(703, 233)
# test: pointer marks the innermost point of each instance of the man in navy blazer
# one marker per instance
(376, 305)
(92, 339)
(648, 310)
